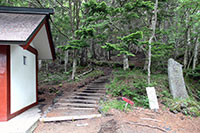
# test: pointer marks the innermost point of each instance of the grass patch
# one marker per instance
(116, 104)
(52, 78)
(57, 77)
(94, 74)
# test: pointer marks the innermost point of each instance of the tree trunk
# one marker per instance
(185, 57)
(195, 54)
(83, 58)
(108, 54)
(39, 64)
(66, 59)
(146, 63)
(185, 61)
(149, 65)
(150, 41)
(125, 62)
(74, 65)
(93, 50)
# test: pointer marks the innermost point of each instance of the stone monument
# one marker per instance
(176, 80)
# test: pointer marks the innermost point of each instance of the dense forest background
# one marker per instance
(88, 31)
(137, 35)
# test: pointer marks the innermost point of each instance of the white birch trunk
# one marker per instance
(186, 50)
(125, 62)
(150, 41)
(185, 62)
(195, 55)
(66, 59)
(39, 64)
(74, 69)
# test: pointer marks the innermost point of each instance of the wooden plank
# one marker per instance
(79, 100)
(77, 104)
(69, 118)
(89, 94)
(96, 88)
(74, 108)
(86, 97)
(100, 91)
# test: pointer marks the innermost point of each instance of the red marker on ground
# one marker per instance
(127, 101)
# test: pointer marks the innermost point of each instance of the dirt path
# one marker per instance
(138, 120)
(121, 122)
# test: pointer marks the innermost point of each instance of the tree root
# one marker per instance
(146, 125)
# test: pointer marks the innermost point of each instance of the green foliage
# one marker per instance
(194, 74)
(96, 7)
(138, 4)
(94, 74)
(160, 51)
(160, 54)
(52, 78)
(133, 37)
(187, 106)
(74, 44)
(116, 104)
(123, 47)
(109, 46)
(193, 82)
(127, 85)
(85, 32)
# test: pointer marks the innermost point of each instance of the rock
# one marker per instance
(176, 80)
(41, 100)
(60, 93)
(183, 106)
(174, 111)
(52, 90)
(82, 125)
(40, 91)
(167, 128)
(109, 127)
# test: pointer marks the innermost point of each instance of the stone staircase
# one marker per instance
(84, 101)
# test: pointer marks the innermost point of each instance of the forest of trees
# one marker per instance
(97, 30)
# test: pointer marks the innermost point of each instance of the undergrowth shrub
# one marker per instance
(194, 74)
(192, 82)
(187, 106)
(132, 84)
(126, 84)
(116, 104)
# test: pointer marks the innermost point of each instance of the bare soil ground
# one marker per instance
(139, 120)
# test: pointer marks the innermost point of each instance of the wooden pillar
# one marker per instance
(4, 82)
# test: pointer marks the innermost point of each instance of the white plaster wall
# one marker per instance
(23, 79)
(41, 43)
